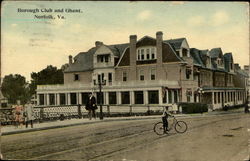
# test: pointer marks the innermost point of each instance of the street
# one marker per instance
(208, 138)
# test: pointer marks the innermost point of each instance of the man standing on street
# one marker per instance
(91, 106)
(29, 114)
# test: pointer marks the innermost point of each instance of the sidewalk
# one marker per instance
(10, 129)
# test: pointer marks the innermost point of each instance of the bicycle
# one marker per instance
(179, 126)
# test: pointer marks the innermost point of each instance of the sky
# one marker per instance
(29, 44)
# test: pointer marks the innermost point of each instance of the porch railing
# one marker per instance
(49, 113)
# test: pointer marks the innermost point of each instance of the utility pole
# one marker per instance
(100, 84)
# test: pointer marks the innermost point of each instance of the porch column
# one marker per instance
(106, 99)
(77, 98)
(166, 91)
(172, 93)
(226, 97)
(57, 98)
(132, 97)
(47, 99)
(118, 96)
(160, 96)
(80, 98)
(212, 98)
(68, 99)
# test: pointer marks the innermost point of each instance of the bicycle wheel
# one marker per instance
(180, 127)
(158, 128)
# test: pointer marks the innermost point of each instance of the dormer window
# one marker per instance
(146, 53)
(103, 58)
(184, 52)
(220, 62)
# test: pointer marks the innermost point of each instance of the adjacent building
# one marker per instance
(149, 71)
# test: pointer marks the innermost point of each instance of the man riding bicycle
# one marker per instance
(165, 118)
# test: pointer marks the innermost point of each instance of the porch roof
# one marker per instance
(221, 88)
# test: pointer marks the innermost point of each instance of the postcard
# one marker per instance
(124, 80)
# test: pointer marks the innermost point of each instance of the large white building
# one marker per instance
(149, 71)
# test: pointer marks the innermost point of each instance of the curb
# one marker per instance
(74, 124)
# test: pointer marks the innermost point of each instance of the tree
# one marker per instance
(15, 87)
(49, 75)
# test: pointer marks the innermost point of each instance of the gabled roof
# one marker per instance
(196, 55)
(216, 52)
(175, 43)
(83, 61)
(118, 49)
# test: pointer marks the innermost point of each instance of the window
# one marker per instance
(141, 75)
(164, 99)
(139, 97)
(188, 73)
(85, 97)
(184, 52)
(152, 53)
(62, 98)
(153, 74)
(41, 99)
(175, 96)
(112, 98)
(148, 53)
(125, 97)
(189, 94)
(99, 98)
(76, 77)
(142, 54)
(124, 76)
(103, 58)
(52, 99)
(73, 98)
(99, 77)
(110, 77)
(106, 58)
(102, 76)
(153, 97)
(169, 96)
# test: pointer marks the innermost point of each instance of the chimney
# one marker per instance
(159, 40)
(70, 59)
(132, 47)
(98, 43)
(132, 56)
